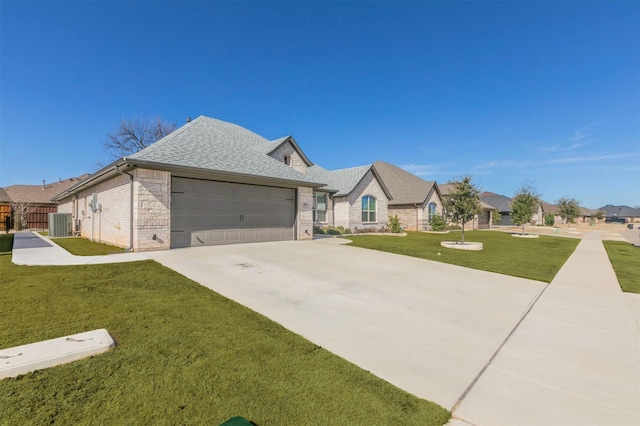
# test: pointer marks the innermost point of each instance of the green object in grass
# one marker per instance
(237, 421)
(6, 243)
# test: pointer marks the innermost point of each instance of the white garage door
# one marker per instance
(208, 213)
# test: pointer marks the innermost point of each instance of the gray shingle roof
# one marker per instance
(210, 144)
(405, 187)
(500, 202)
(343, 181)
(620, 211)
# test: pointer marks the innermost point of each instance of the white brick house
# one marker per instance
(212, 182)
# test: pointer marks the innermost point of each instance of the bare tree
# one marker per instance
(134, 135)
(21, 211)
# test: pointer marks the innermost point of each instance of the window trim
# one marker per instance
(315, 207)
(368, 211)
(430, 214)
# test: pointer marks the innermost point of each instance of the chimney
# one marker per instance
(59, 180)
(43, 187)
(188, 119)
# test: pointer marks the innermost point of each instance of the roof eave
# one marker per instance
(95, 178)
(189, 171)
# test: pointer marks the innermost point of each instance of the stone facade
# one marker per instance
(295, 160)
(305, 214)
(416, 217)
(408, 215)
(151, 210)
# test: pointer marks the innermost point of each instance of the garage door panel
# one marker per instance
(211, 213)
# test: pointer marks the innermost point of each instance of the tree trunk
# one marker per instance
(523, 229)
(462, 233)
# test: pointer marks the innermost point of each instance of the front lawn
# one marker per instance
(185, 355)
(84, 247)
(534, 258)
(625, 259)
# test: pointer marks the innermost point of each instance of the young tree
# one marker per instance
(568, 208)
(134, 135)
(463, 203)
(524, 205)
(598, 215)
(496, 217)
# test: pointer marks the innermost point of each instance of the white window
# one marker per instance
(368, 208)
(319, 207)
(432, 210)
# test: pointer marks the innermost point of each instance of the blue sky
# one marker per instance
(509, 92)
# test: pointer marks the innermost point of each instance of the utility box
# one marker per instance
(59, 225)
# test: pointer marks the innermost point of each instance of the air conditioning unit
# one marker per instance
(59, 224)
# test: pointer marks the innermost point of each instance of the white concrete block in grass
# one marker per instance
(48, 353)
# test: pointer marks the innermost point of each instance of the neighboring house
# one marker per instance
(414, 200)
(30, 205)
(502, 203)
(482, 220)
(621, 212)
(211, 182)
(354, 198)
(586, 215)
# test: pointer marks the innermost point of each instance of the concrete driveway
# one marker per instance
(426, 327)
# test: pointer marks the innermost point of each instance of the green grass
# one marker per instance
(625, 259)
(6, 243)
(84, 247)
(186, 355)
(534, 258)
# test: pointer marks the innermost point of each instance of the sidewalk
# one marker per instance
(574, 359)
(30, 248)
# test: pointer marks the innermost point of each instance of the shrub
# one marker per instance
(437, 223)
(549, 219)
(318, 230)
(394, 224)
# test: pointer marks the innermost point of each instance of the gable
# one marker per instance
(289, 153)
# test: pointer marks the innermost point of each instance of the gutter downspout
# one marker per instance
(130, 248)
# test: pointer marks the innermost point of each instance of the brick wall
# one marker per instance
(110, 224)
(367, 186)
(407, 215)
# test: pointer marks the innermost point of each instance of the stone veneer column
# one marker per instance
(151, 210)
(305, 213)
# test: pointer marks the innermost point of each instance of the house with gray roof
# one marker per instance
(482, 220)
(621, 212)
(502, 204)
(212, 182)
